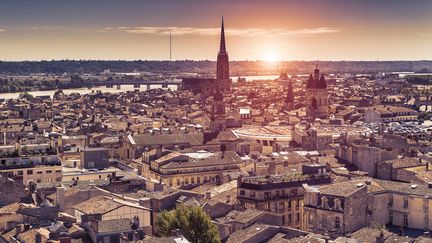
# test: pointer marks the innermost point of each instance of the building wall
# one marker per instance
(86, 176)
(185, 179)
(321, 97)
(94, 158)
(336, 221)
(289, 206)
(35, 174)
(355, 210)
(378, 205)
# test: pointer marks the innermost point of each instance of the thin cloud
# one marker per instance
(2, 30)
(425, 35)
(245, 32)
(44, 28)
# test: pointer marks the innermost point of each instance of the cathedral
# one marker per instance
(317, 96)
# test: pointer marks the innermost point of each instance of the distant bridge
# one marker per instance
(137, 83)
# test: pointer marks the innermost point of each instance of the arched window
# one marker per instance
(314, 103)
(324, 203)
(337, 204)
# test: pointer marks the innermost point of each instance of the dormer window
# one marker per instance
(324, 203)
(338, 205)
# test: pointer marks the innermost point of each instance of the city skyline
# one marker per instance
(256, 30)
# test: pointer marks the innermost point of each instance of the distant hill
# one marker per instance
(208, 67)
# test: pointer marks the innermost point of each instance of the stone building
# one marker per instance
(347, 206)
(409, 169)
(317, 105)
(365, 156)
(182, 170)
(335, 209)
(134, 146)
(94, 158)
(282, 194)
(386, 113)
(30, 163)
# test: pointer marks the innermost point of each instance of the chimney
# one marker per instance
(159, 151)
(228, 198)
(65, 238)
(18, 229)
(136, 236)
(38, 238)
(208, 195)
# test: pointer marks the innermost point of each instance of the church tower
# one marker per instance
(317, 96)
(289, 101)
(218, 116)
(222, 66)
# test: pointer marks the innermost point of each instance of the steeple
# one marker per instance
(222, 66)
(290, 94)
(316, 76)
(222, 48)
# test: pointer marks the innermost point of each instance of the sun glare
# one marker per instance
(270, 57)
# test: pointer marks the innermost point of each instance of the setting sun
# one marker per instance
(271, 57)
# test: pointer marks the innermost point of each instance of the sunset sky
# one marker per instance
(266, 30)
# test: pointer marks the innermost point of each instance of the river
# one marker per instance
(123, 88)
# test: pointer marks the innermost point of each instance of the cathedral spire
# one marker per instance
(222, 40)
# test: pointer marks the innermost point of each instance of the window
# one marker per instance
(38, 180)
(281, 207)
(405, 202)
(20, 173)
(337, 222)
(277, 193)
(390, 217)
(192, 180)
(289, 218)
(178, 181)
(294, 192)
(39, 172)
(29, 172)
(252, 194)
(286, 164)
(242, 192)
(267, 195)
(58, 171)
(48, 171)
(390, 200)
(405, 220)
(283, 219)
(282, 193)
(310, 219)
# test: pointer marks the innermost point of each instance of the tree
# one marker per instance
(192, 222)
(25, 95)
(58, 94)
(166, 222)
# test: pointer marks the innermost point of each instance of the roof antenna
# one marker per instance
(170, 47)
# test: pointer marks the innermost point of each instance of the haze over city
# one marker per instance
(256, 30)
(228, 121)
